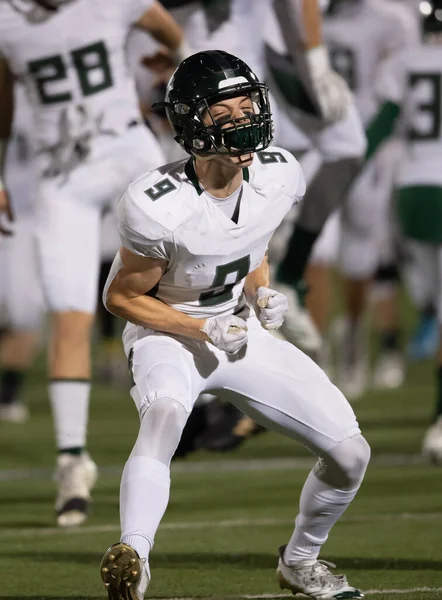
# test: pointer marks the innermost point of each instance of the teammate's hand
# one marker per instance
(270, 307)
(332, 92)
(227, 333)
(5, 212)
(160, 63)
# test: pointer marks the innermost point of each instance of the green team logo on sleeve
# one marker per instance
(91, 64)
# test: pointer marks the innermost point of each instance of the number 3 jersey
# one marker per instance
(73, 65)
(411, 83)
(167, 215)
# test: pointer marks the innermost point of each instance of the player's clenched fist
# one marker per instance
(227, 333)
(270, 307)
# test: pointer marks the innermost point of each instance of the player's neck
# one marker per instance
(218, 179)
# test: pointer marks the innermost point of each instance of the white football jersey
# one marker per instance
(412, 79)
(360, 35)
(20, 175)
(73, 65)
(166, 214)
(235, 26)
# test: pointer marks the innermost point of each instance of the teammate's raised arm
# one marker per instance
(301, 26)
(6, 113)
(160, 24)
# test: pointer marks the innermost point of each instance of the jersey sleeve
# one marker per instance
(132, 10)
(402, 27)
(391, 80)
(293, 177)
(390, 89)
(139, 232)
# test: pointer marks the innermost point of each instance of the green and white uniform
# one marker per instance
(87, 131)
(360, 37)
(166, 214)
(410, 86)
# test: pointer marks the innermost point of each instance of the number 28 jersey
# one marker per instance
(166, 214)
(73, 58)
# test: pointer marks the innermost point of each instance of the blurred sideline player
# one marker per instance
(191, 278)
(340, 140)
(410, 85)
(21, 303)
(360, 35)
(89, 143)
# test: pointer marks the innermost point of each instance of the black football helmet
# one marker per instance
(204, 79)
(431, 11)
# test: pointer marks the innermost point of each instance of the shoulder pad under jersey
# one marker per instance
(161, 197)
(277, 168)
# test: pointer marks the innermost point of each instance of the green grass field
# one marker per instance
(228, 513)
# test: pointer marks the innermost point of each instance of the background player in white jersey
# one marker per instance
(360, 34)
(410, 85)
(89, 143)
(192, 279)
(341, 145)
(21, 303)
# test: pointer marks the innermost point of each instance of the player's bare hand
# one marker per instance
(332, 92)
(270, 307)
(227, 333)
(6, 214)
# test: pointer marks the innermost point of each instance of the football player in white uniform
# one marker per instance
(89, 142)
(21, 303)
(410, 85)
(360, 35)
(237, 26)
(192, 280)
(341, 143)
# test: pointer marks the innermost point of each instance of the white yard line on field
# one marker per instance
(211, 466)
(224, 524)
(394, 591)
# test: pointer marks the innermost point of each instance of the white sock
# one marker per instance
(321, 506)
(70, 408)
(144, 495)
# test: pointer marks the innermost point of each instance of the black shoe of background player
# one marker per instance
(230, 430)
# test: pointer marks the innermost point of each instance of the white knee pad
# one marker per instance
(160, 431)
(345, 464)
